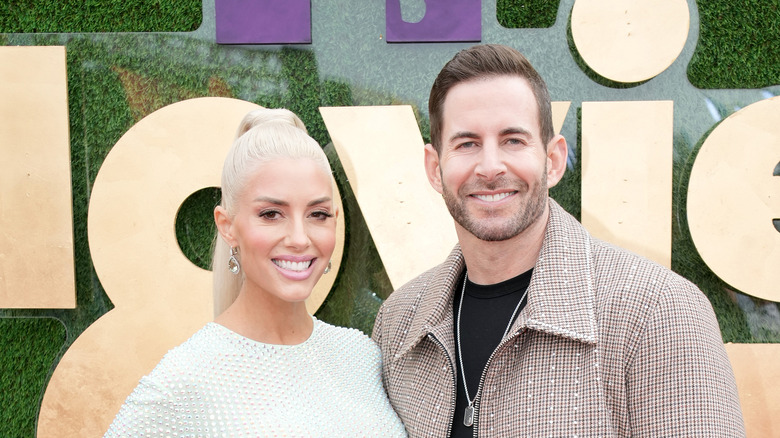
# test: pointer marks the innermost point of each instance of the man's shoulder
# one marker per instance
(609, 261)
(422, 298)
(618, 261)
(624, 277)
(412, 288)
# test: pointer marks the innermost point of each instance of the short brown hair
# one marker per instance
(483, 61)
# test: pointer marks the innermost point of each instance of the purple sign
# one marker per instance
(444, 21)
(263, 21)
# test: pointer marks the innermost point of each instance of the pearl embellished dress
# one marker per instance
(221, 384)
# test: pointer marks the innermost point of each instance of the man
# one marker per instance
(532, 327)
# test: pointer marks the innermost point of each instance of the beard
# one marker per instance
(493, 228)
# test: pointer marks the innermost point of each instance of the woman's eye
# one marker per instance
(270, 214)
(321, 215)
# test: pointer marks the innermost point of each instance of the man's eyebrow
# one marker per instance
(515, 130)
(463, 134)
(506, 131)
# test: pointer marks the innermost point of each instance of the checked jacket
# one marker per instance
(609, 345)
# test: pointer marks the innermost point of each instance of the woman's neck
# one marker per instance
(267, 321)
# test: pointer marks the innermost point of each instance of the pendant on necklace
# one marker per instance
(468, 417)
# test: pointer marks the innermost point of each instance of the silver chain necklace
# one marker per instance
(468, 416)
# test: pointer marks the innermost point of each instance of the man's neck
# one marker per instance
(493, 262)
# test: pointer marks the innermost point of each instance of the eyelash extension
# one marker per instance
(267, 213)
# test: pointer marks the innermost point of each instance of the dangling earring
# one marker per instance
(233, 265)
(327, 268)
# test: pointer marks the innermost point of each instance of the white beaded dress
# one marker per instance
(221, 384)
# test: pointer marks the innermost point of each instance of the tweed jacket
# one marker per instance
(608, 345)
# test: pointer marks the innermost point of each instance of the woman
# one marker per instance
(265, 367)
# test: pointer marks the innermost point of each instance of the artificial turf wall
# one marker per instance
(116, 79)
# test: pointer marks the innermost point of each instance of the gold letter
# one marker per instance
(627, 175)
(36, 242)
(733, 198)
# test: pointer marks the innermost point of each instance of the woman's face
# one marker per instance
(285, 228)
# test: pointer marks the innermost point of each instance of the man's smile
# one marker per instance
(495, 197)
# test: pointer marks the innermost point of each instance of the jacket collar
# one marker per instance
(435, 313)
(561, 295)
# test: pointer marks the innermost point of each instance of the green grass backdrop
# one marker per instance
(739, 47)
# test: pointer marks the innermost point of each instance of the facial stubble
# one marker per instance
(529, 211)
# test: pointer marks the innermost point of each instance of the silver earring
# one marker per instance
(233, 265)
(327, 268)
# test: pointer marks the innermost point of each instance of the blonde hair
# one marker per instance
(263, 135)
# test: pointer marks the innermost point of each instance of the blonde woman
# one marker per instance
(265, 367)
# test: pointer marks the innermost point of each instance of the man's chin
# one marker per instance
(491, 231)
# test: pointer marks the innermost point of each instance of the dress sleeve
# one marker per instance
(376, 336)
(150, 411)
(680, 381)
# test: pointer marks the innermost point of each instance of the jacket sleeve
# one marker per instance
(376, 334)
(680, 381)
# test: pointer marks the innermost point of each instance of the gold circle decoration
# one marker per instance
(629, 40)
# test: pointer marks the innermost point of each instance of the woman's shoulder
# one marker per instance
(211, 334)
(204, 346)
(348, 337)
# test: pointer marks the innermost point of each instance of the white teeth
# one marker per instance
(493, 198)
(292, 266)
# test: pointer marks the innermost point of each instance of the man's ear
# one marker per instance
(557, 152)
(432, 167)
(224, 225)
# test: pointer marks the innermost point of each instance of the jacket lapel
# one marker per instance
(434, 315)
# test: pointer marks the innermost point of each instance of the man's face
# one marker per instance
(493, 164)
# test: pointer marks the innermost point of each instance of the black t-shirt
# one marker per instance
(484, 317)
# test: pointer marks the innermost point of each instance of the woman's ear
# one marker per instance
(224, 225)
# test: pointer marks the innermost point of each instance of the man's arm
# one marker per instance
(376, 334)
(680, 380)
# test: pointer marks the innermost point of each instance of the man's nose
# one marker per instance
(491, 162)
